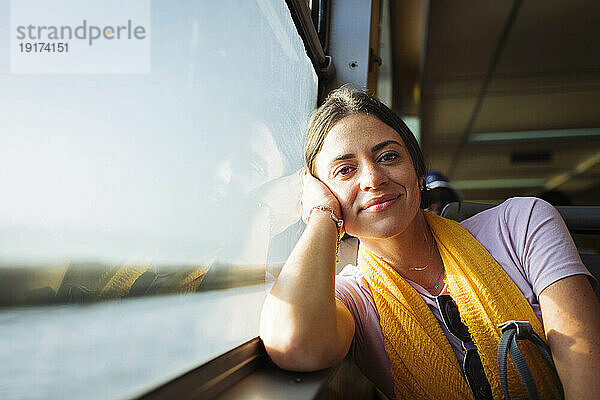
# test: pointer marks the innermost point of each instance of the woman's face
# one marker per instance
(366, 165)
(251, 160)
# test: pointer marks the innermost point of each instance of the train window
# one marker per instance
(181, 179)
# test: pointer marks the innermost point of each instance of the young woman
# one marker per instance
(420, 278)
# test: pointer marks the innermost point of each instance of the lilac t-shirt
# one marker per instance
(526, 236)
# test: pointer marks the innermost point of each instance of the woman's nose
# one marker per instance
(372, 177)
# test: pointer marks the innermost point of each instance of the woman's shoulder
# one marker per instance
(515, 223)
(352, 289)
(528, 238)
(513, 212)
(352, 271)
(351, 279)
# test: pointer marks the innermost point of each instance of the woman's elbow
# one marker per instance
(300, 343)
(301, 355)
(298, 350)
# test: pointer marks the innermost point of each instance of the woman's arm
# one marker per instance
(571, 315)
(302, 325)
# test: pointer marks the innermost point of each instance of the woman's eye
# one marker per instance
(389, 156)
(343, 171)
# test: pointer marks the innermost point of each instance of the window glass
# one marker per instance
(173, 173)
(181, 180)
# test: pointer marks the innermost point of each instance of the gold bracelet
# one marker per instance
(338, 224)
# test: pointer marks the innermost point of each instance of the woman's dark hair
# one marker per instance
(347, 101)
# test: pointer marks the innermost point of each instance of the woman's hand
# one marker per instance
(316, 193)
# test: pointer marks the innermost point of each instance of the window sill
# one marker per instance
(247, 372)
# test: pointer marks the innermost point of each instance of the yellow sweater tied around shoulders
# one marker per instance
(423, 364)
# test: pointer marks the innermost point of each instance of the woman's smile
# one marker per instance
(380, 203)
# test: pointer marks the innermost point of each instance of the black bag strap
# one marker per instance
(511, 332)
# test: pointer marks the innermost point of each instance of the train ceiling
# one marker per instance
(508, 93)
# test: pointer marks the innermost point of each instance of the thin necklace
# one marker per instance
(428, 260)
(436, 282)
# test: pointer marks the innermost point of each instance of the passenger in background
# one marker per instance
(439, 192)
(422, 279)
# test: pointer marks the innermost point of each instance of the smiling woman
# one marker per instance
(513, 262)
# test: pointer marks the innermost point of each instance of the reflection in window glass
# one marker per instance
(146, 182)
(178, 181)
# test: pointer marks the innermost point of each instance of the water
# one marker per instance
(120, 349)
